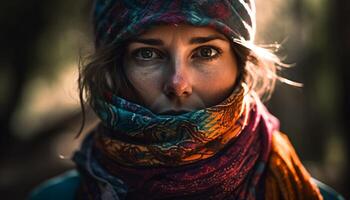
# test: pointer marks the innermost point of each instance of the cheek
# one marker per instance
(147, 83)
(217, 82)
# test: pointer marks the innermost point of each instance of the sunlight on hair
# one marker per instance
(262, 73)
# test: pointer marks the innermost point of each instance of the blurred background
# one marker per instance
(40, 46)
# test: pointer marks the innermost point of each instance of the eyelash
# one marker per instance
(217, 55)
(161, 54)
(137, 51)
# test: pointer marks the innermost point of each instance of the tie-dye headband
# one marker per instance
(117, 20)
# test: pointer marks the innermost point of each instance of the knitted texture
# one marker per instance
(117, 20)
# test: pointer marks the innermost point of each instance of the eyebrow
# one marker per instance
(194, 40)
(200, 40)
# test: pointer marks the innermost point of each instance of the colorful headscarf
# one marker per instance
(117, 20)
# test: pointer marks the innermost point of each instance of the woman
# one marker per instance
(177, 86)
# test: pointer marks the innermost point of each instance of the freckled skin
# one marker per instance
(176, 75)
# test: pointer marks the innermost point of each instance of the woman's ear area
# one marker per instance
(241, 55)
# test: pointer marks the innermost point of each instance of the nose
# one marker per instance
(178, 83)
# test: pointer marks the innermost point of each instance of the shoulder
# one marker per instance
(327, 192)
(63, 186)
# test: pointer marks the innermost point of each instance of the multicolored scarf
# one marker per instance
(211, 152)
(214, 153)
(135, 136)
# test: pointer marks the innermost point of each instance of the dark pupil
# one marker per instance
(206, 52)
(147, 53)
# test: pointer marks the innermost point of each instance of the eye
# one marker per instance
(147, 54)
(207, 52)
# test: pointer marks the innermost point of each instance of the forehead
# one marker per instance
(182, 30)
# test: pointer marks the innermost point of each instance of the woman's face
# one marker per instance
(176, 69)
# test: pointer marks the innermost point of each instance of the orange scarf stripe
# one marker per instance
(286, 176)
